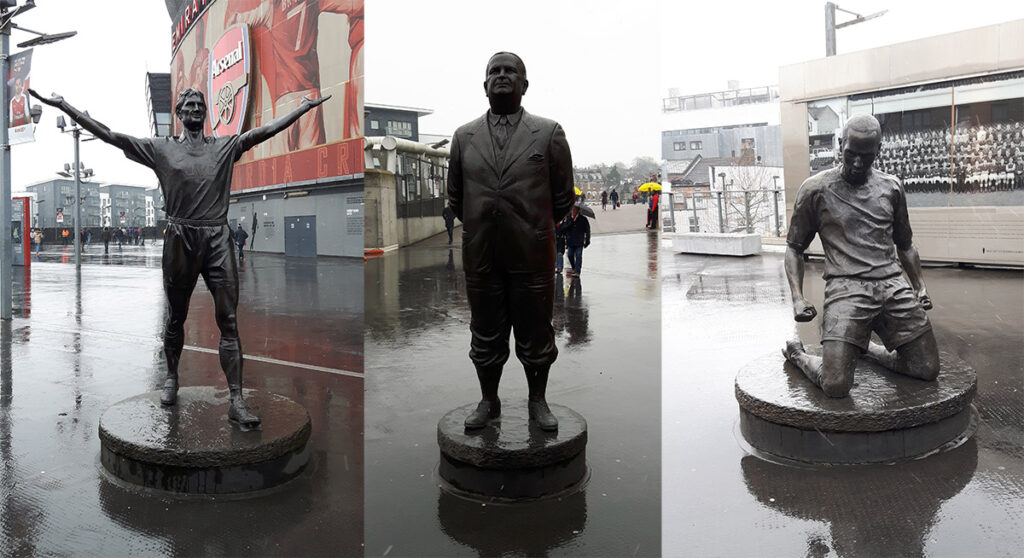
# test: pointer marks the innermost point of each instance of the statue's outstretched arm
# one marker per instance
(259, 135)
(92, 125)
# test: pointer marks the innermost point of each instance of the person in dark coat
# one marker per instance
(576, 229)
(106, 240)
(559, 247)
(449, 220)
(510, 180)
(240, 236)
(615, 199)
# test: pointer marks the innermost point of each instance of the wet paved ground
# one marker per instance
(720, 313)
(417, 345)
(76, 347)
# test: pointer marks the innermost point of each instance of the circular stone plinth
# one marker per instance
(510, 458)
(192, 448)
(886, 417)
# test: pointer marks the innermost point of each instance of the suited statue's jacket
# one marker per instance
(509, 212)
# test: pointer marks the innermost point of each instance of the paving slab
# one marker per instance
(720, 313)
(418, 369)
(81, 342)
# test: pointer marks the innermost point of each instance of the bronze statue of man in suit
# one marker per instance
(509, 181)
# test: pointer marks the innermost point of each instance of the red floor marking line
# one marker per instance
(282, 362)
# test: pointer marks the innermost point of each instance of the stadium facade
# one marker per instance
(300, 193)
(952, 115)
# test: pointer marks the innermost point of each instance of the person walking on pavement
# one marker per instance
(240, 236)
(560, 246)
(615, 199)
(576, 229)
(39, 240)
(106, 240)
(64, 237)
(652, 211)
(604, 200)
(449, 220)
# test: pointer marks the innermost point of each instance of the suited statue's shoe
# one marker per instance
(542, 416)
(239, 412)
(485, 411)
(169, 393)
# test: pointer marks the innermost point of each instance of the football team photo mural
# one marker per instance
(255, 60)
(951, 144)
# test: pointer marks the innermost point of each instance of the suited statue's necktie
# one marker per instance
(501, 131)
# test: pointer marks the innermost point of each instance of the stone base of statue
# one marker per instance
(192, 448)
(511, 459)
(887, 416)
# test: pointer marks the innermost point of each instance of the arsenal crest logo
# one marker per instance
(229, 81)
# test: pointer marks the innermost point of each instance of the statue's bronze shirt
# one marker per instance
(196, 179)
(860, 226)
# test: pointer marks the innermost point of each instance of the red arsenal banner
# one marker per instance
(290, 50)
(229, 81)
(21, 128)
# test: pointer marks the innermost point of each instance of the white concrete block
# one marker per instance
(717, 244)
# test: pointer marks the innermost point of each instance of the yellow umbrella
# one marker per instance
(578, 191)
(647, 187)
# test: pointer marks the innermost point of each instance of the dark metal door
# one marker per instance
(300, 236)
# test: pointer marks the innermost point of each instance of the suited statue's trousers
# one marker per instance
(504, 302)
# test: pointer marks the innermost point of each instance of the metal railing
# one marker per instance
(715, 211)
(421, 174)
(421, 184)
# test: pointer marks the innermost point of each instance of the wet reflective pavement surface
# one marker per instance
(721, 313)
(305, 310)
(75, 347)
(418, 368)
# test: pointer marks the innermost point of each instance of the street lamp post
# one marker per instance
(721, 216)
(775, 206)
(6, 247)
(7, 14)
(831, 25)
(76, 168)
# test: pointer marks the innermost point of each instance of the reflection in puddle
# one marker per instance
(871, 510)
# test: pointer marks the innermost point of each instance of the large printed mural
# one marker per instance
(952, 144)
(257, 59)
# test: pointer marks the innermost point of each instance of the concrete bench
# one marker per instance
(717, 244)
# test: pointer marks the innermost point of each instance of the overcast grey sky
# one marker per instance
(592, 66)
(705, 44)
(599, 67)
(101, 70)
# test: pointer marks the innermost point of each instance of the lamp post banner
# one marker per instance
(21, 128)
